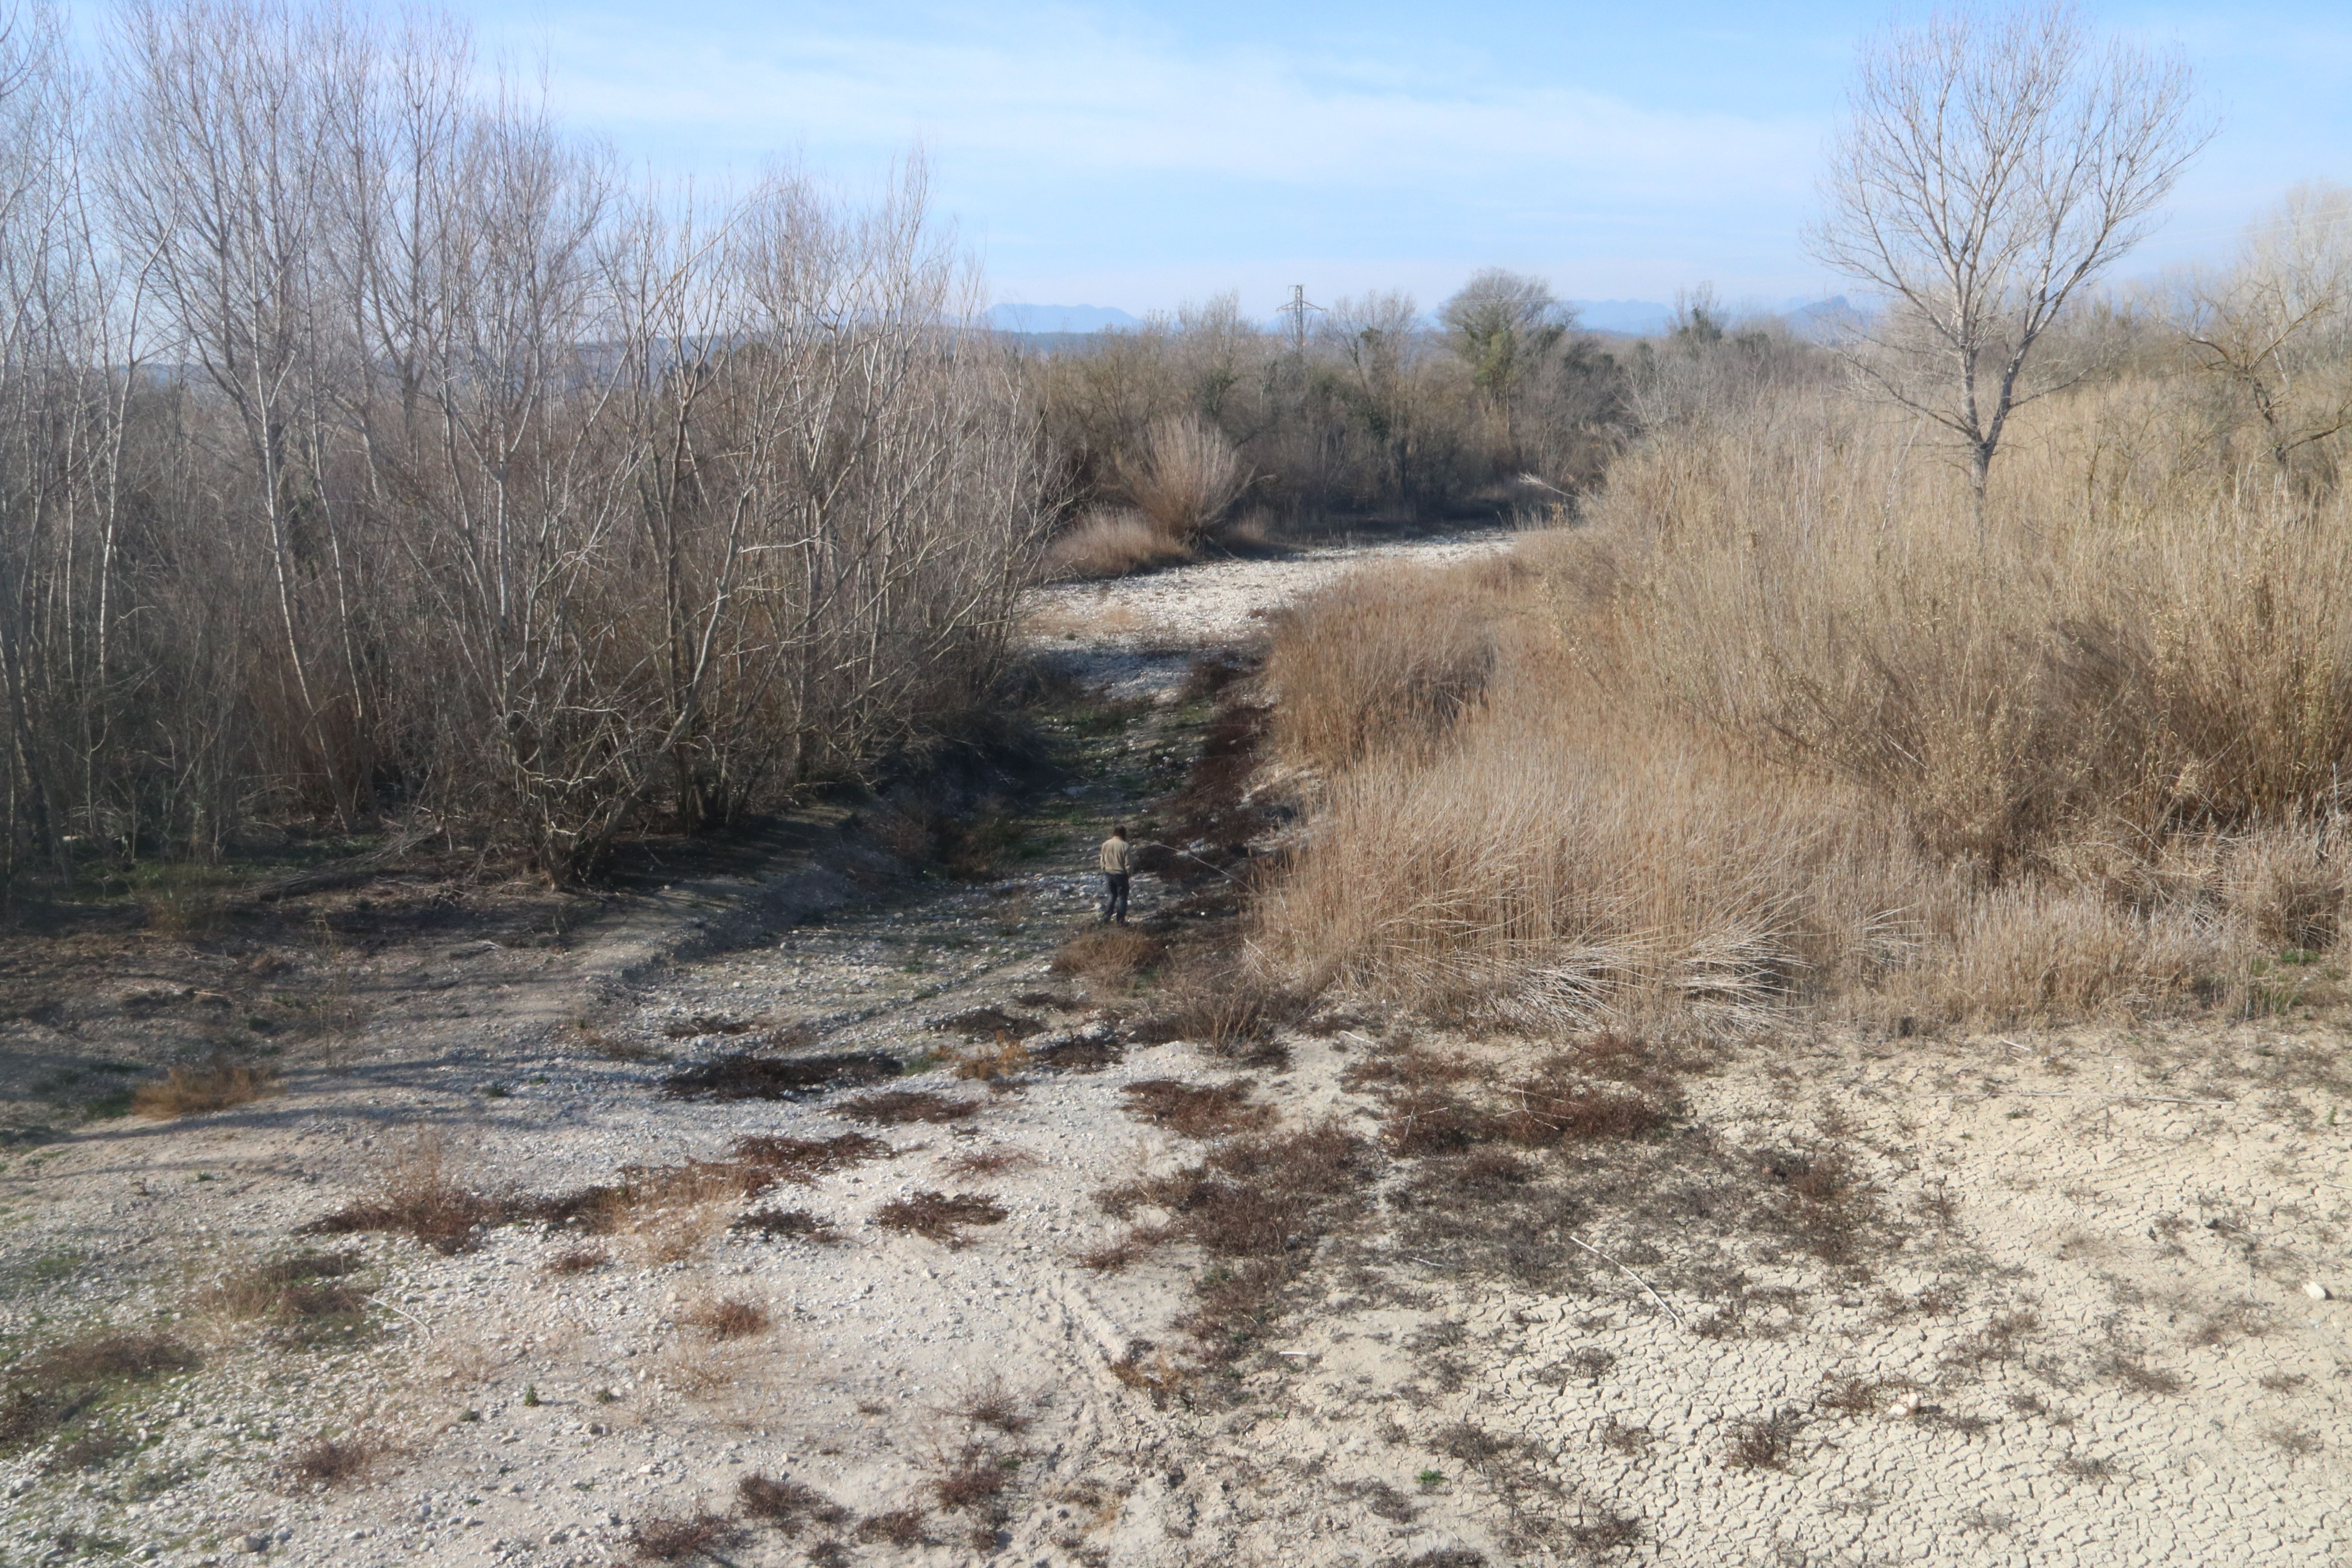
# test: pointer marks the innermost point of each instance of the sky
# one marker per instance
(1143, 156)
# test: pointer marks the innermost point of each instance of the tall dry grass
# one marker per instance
(1779, 727)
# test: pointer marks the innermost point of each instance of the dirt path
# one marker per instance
(501, 1403)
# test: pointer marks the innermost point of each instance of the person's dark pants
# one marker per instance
(1114, 904)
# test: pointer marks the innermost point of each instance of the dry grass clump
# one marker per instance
(749, 1075)
(301, 1299)
(332, 1461)
(1231, 1010)
(1780, 727)
(577, 1260)
(187, 1091)
(804, 1159)
(993, 1161)
(417, 1196)
(1188, 477)
(1383, 661)
(726, 1318)
(940, 1217)
(1109, 953)
(1111, 543)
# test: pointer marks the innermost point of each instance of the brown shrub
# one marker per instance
(803, 1160)
(1385, 658)
(187, 1091)
(796, 1224)
(940, 1217)
(726, 1318)
(1109, 953)
(416, 1196)
(975, 1477)
(892, 1106)
(676, 1538)
(302, 1297)
(1230, 1009)
(1188, 476)
(994, 1405)
(744, 1075)
(1197, 1110)
(1766, 1443)
(787, 1505)
(993, 1161)
(331, 1461)
(1111, 545)
(900, 1526)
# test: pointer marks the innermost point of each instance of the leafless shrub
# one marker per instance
(187, 1091)
(577, 1260)
(679, 1538)
(1188, 476)
(894, 1106)
(1109, 954)
(58, 1385)
(787, 1505)
(797, 1225)
(899, 1527)
(726, 1318)
(1111, 545)
(1196, 1110)
(940, 1217)
(1766, 1442)
(417, 1196)
(992, 1161)
(332, 1461)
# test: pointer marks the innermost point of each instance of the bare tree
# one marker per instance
(1989, 169)
(2277, 327)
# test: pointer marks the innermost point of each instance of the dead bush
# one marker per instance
(996, 1065)
(791, 1225)
(743, 1075)
(787, 1505)
(679, 1538)
(219, 1084)
(975, 1477)
(993, 1161)
(899, 1527)
(1766, 1443)
(302, 1299)
(726, 1318)
(1110, 544)
(1382, 659)
(892, 1106)
(1228, 1009)
(939, 1216)
(332, 1461)
(993, 1404)
(1189, 475)
(416, 1196)
(1197, 1110)
(1109, 954)
(803, 1160)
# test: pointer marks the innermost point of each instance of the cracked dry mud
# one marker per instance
(2060, 1317)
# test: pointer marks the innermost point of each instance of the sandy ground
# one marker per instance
(2090, 1310)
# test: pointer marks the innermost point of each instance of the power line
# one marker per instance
(1296, 310)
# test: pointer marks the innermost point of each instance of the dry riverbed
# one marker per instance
(1809, 1298)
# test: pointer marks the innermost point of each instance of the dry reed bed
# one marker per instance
(1780, 726)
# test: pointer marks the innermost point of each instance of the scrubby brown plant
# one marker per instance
(891, 1107)
(680, 1538)
(940, 1217)
(898, 1527)
(218, 1085)
(417, 1195)
(1197, 1110)
(787, 1505)
(726, 1318)
(334, 1461)
(1109, 954)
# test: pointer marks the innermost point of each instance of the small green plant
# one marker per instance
(470, 1415)
(606, 1396)
(530, 1395)
(1431, 1480)
(495, 1091)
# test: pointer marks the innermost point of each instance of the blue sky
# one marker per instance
(1143, 155)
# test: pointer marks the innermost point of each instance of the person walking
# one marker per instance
(1118, 863)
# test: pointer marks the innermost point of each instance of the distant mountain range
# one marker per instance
(1059, 317)
(1630, 318)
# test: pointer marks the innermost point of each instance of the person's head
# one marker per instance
(1118, 830)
